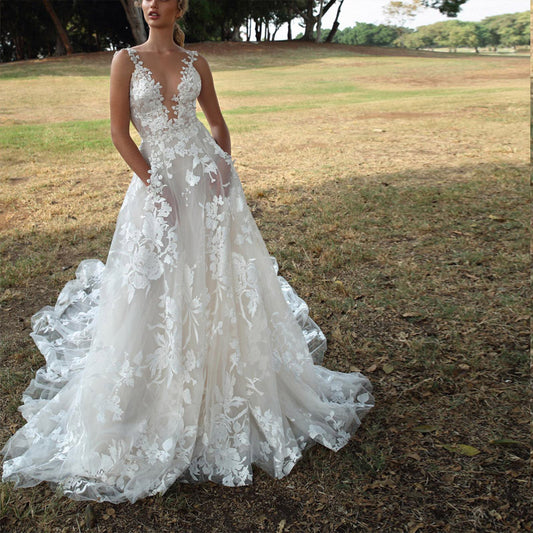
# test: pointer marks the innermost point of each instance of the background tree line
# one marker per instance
(510, 30)
(40, 28)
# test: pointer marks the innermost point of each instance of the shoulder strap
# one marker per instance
(134, 56)
(193, 55)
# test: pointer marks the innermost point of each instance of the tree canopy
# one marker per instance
(39, 28)
(509, 30)
(502, 30)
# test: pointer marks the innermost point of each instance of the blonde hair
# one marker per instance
(179, 35)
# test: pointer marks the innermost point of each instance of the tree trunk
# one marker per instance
(236, 33)
(331, 34)
(62, 34)
(289, 32)
(273, 36)
(319, 21)
(135, 20)
(335, 26)
(59, 48)
(19, 47)
(310, 21)
(258, 30)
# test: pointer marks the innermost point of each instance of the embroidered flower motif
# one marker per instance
(191, 178)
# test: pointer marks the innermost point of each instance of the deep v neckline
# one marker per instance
(185, 63)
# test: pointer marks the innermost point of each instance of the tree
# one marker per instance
(135, 19)
(201, 21)
(509, 30)
(25, 33)
(369, 35)
(310, 18)
(464, 35)
(319, 21)
(61, 33)
(402, 12)
(335, 26)
(450, 8)
(504, 30)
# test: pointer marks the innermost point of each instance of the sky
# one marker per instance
(372, 11)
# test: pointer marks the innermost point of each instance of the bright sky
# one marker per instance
(372, 11)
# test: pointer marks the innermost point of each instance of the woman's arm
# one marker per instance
(119, 103)
(209, 103)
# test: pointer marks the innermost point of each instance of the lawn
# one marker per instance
(392, 188)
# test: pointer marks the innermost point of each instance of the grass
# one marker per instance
(59, 138)
(393, 191)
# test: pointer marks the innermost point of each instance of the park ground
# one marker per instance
(392, 188)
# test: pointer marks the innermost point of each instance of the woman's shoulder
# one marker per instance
(123, 60)
(122, 54)
(200, 62)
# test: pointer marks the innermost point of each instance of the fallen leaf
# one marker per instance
(337, 335)
(410, 315)
(413, 455)
(281, 526)
(372, 368)
(495, 514)
(387, 368)
(340, 286)
(402, 336)
(507, 442)
(448, 478)
(463, 449)
(425, 428)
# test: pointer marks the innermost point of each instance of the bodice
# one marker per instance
(156, 124)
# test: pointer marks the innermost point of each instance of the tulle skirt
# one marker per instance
(186, 357)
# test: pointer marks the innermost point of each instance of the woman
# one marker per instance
(184, 358)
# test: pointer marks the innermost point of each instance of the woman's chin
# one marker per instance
(159, 23)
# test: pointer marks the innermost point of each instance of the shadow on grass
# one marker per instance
(419, 280)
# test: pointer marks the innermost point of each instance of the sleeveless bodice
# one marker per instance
(156, 124)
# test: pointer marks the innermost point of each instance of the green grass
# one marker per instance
(58, 138)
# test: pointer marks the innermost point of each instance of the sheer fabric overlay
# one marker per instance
(185, 357)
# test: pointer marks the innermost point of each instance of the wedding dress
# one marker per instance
(185, 357)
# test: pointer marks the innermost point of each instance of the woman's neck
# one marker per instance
(160, 40)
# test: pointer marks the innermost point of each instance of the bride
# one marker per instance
(185, 358)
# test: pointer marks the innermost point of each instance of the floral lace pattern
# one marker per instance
(186, 357)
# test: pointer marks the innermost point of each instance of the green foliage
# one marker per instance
(370, 34)
(509, 30)
(28, 33)
(447, 7)
(502, 30)
(93, 26)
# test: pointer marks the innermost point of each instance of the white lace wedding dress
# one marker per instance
(185, 358)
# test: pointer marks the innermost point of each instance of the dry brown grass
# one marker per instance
(392, 190)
